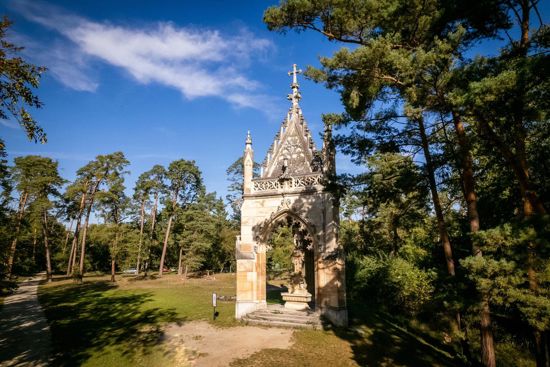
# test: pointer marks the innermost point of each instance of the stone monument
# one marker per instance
(292, 186)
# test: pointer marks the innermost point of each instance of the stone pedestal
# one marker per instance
(296, 301)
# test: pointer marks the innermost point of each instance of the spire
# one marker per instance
(295, 96)
(248, 164)
(293, 149)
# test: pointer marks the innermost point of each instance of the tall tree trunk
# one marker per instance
(165, 244)
(443, 234)
(142, 222)
(46, 246)
(83, 241)
(34, 241)
(68, 234)
(21, 212)
(154, 214)
(73, 264)
(114, 251)
(180, 269)
(74, 245)
(113, 267)
(468, 182)
(152, 234)
(70, 261)
(85, 230)
(442, 226)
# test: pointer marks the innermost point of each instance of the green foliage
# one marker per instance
(279, 257)
(502, 272)
(197, 230)
(17, 82)
(184, 183)
(397, 283)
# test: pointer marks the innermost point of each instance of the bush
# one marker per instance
(393, 282)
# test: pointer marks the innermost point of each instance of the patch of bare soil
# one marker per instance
(202, 344)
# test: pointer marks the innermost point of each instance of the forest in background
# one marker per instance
(92, 225)
(447, 224)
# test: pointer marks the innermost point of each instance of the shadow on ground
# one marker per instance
(85, 319)
(24, 336)
(273, 293)
(377, 340)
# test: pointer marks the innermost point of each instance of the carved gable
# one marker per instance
(293, 151)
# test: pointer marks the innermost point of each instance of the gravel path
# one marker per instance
(24, 332)
(199, 344)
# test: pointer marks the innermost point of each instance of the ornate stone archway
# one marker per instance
(292, 183)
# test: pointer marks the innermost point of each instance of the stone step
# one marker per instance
(287, 317)
(288, 314)
(285, 324)
(282, 317)
(282, 310)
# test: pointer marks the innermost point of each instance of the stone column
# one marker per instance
(331, 268)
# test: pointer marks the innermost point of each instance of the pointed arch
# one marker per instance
(269, 224)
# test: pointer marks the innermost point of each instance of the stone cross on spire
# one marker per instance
(295, 96)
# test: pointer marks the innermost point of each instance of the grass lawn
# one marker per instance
(102, 324)
(98, 323)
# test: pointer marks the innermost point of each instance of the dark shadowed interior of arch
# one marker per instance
(287, 235)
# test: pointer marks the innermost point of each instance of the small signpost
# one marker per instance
(214, 304)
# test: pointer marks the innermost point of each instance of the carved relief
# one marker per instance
(270, 184)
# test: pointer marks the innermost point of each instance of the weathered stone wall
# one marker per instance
(316, 210)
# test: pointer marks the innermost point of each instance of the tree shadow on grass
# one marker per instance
(85, 319)
(376, 340)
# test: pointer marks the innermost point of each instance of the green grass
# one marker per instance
(100, 324)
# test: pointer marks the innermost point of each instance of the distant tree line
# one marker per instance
(91, 224)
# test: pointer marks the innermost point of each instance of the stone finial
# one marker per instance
(248, 138)
(295, 96)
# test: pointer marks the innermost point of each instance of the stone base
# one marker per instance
(336, 316)
(296, 301)
(243, 308)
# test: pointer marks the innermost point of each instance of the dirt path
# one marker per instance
(24, 331)
(201, 344)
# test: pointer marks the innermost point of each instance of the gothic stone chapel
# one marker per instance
(291, 190)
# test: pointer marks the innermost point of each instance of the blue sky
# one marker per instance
(164, 80)
(161, 81)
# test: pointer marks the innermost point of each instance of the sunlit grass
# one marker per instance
(102, 324)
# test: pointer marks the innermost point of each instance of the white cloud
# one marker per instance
(196, 62)
(64, 62)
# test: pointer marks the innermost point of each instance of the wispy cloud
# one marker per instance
(9, 123)
(197, 62)
(65, 62)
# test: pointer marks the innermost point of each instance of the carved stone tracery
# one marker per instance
(291, 190)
